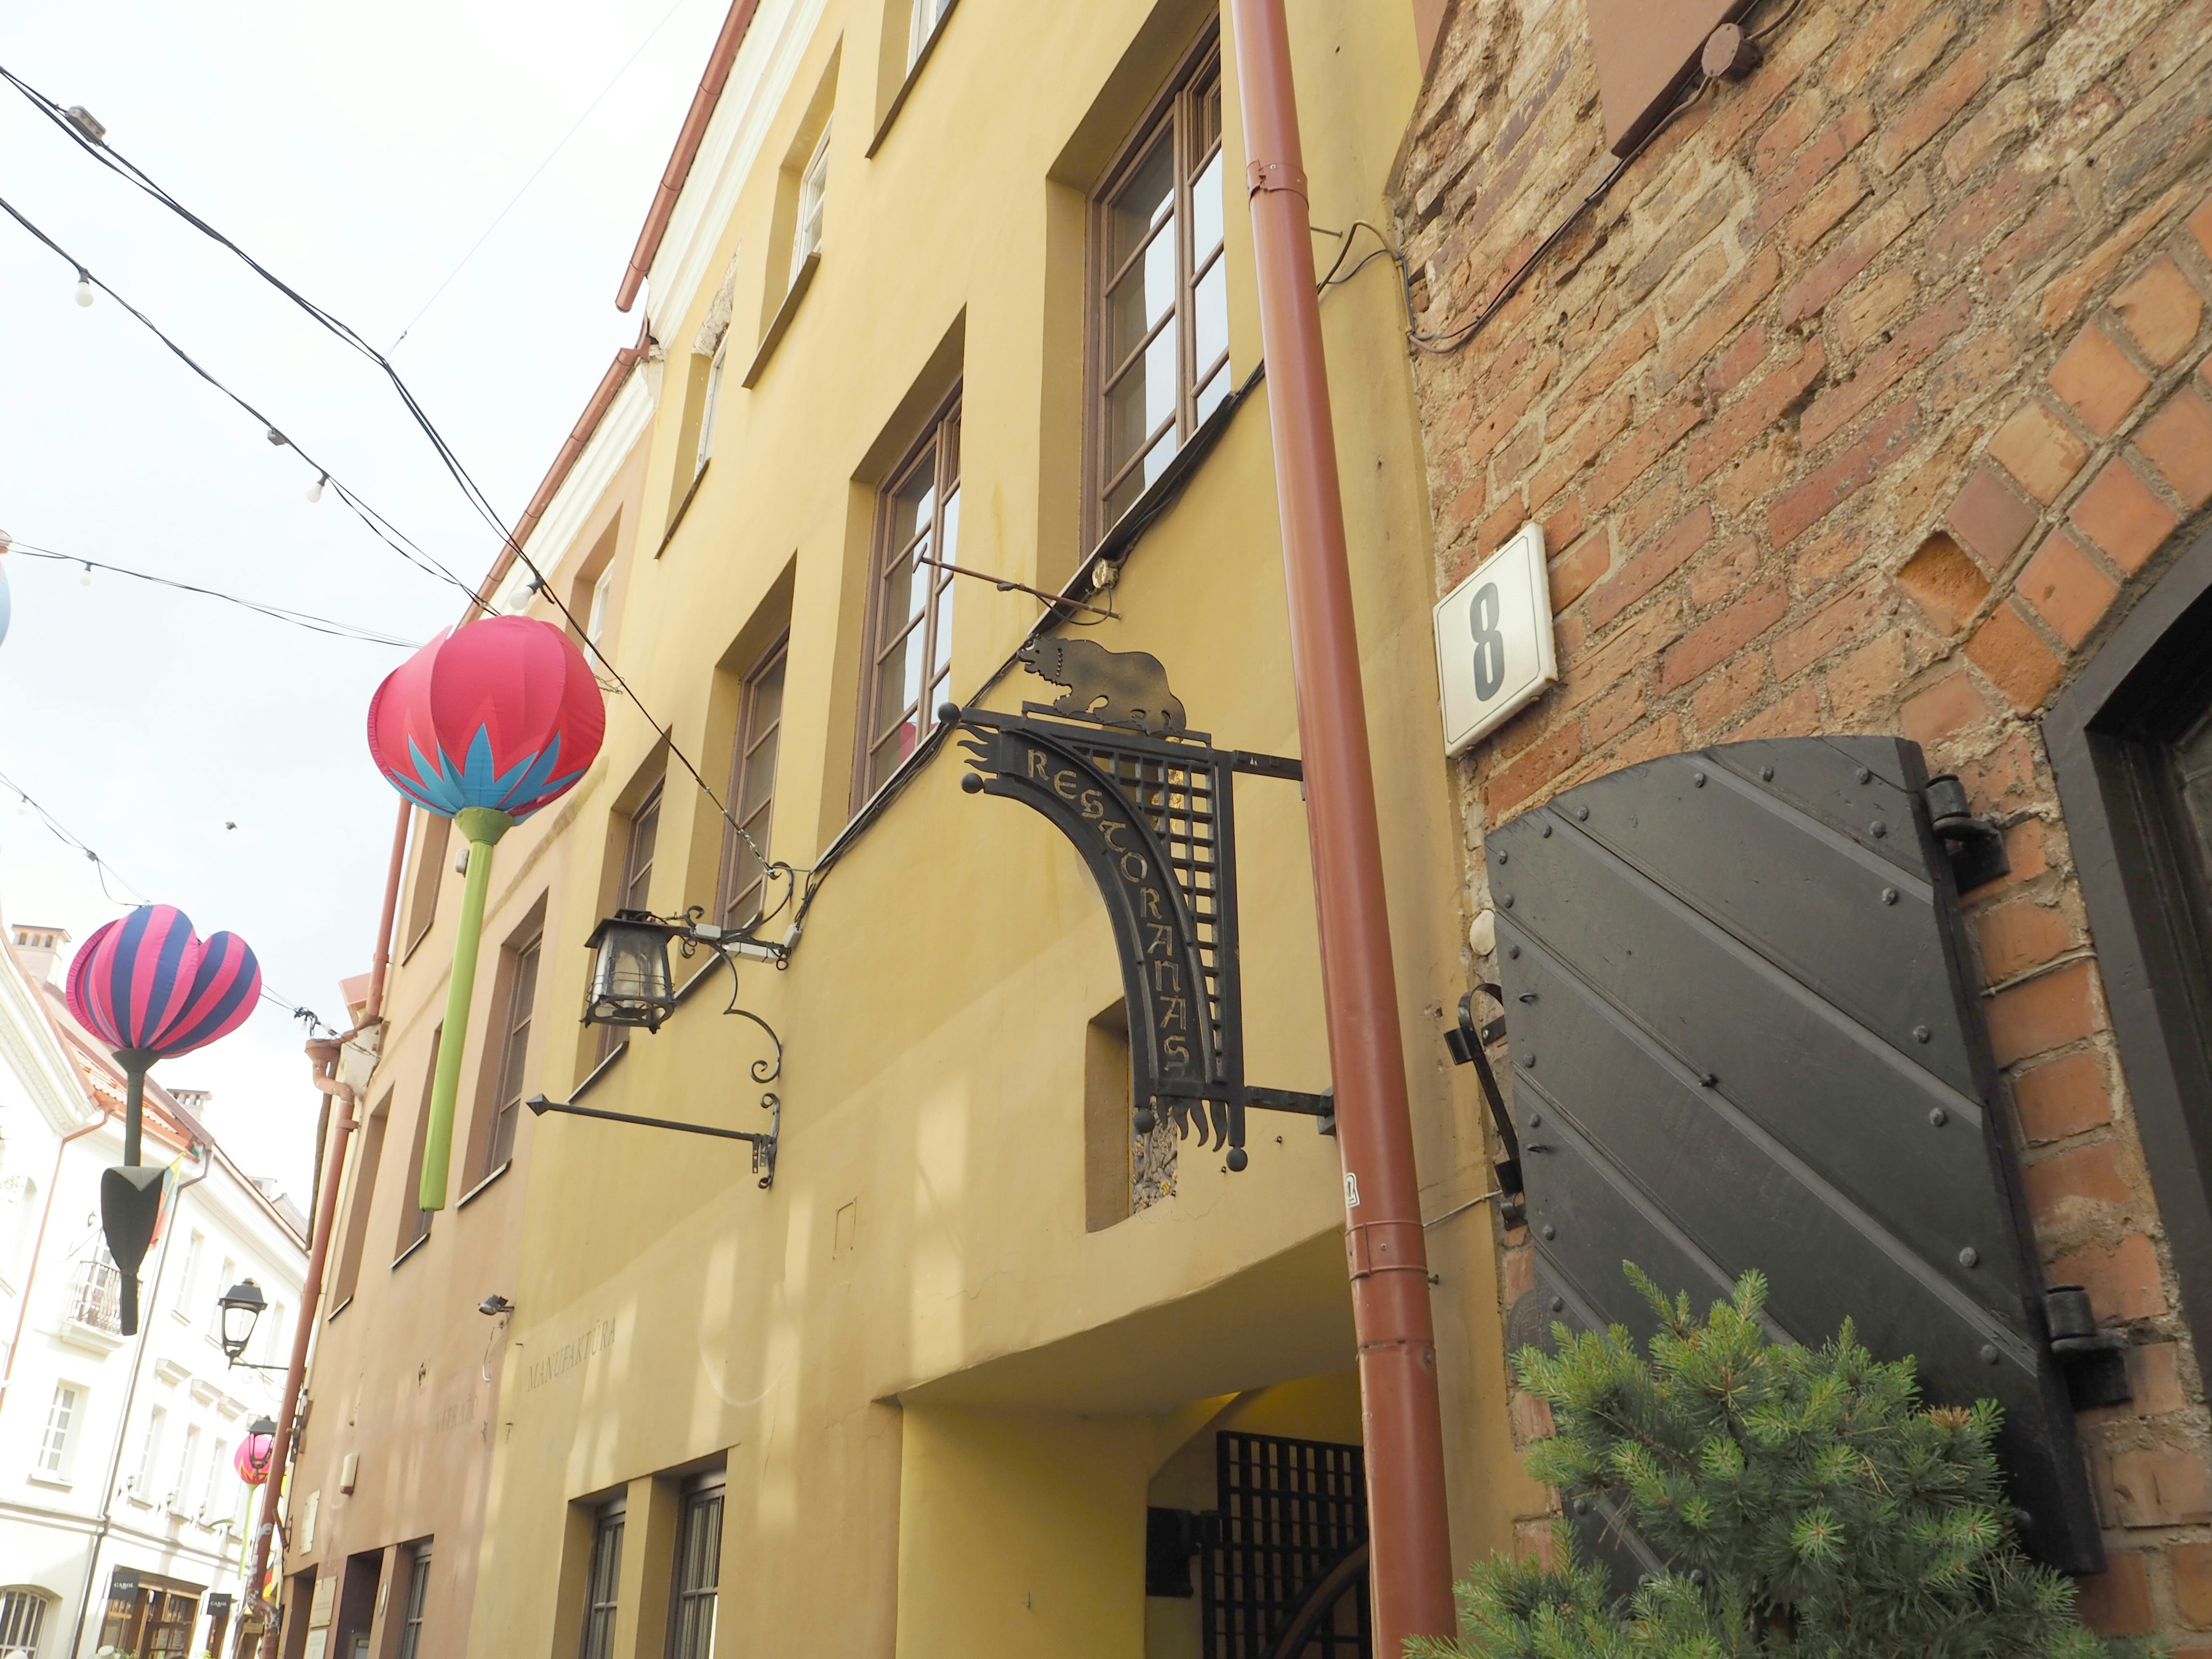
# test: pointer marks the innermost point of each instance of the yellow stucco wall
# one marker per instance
(942, 1402)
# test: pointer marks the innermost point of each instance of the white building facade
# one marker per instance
(124, 1526)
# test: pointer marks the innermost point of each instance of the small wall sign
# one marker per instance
(1494, 652)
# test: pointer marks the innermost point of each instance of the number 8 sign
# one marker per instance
(1494, 652)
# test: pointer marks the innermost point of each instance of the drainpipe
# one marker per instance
(325, 1057)
(1402, 1425)
(131, 1393)
(374, 1012)
(37, 1250)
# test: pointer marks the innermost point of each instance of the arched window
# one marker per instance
(22, 1612)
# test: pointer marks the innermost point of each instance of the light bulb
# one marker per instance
(84, 577)
(84, 291)
(315, 489)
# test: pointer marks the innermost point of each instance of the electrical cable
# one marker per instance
(305, 619)
(61, 833)
(108, 156)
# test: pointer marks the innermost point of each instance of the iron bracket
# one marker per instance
(1321, 1108)
(1467, 1042)
(1976, 846)
(2094, 1362)
(764, 1145)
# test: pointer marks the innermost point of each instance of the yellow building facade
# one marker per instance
(969, 284)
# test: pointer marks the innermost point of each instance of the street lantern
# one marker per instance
(242, 1306)
(257, 1452)
(631, 981)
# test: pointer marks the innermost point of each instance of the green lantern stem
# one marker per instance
(483, 827)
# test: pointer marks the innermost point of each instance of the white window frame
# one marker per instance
(927, 15)
(57, 1446)
(813, 190)
(214, 1308)
(706, 450)
(149, 1455)
(595, 618)
(187, 1466)
(22, 1613)
(189, 1286)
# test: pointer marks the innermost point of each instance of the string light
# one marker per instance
(305, 619)
(315, 489)
(84, 294)
(83, 580)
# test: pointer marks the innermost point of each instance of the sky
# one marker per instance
(216, 759)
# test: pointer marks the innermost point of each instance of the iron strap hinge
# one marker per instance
(1976, 846)
(1385, 1246)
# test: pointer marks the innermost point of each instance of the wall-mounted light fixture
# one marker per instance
(240, 1310)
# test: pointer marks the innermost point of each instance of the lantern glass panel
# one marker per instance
(631, 983)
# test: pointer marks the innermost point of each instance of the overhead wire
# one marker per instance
(305, 619)
(109, 157)
(103, 869)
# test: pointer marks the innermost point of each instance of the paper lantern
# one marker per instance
(255, 1453)
(484, 724)
(149, 988)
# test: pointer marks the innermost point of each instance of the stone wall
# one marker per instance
(1872, 395)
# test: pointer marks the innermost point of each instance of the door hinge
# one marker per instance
(2095, 1362)
(1467, 1040)
(1976, 846)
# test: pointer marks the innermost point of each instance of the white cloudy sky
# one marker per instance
(357, 151)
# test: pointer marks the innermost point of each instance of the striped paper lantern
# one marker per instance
(147, 983)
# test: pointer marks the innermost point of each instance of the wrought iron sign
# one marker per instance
(1150, 806)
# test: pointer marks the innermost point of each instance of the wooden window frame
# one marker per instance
(631, 872)
(1200, 73)
(744, 751)
(415, 1221)
(432, 836)
(416, 1596)
(603, 1582)
(814, 177)
(699, 1492)
(516, 1012)
(937, 608)
(367, 1160)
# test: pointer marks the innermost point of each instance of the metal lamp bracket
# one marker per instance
(763, 1145)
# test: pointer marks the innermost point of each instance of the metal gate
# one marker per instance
(1742, 1035)
(1285, 1566)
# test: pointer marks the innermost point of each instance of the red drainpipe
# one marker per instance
(1402, 1423)
(374, 1012)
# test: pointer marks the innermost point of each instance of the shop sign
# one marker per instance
(1494, 649)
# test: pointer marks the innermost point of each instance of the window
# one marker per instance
(179, 1496)
(189, 1284)
(224, 1280)
(714, 392)
(364, 1192)
(698, 1569)
(595, 617)
(637, 854)
(602, 1583)
(910, 657)
(752, 791)
(141, 1484)
(521, 994)
(813, 184)
(431, 832)
(418, 1590)
(211, 1494)
(927, 15)
(414, 1219)
(61, 1417)
(95, 1292)
(1161, 330)
(21, 1613)
(273, 1334)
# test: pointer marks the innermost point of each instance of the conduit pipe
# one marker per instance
(1402, 1423)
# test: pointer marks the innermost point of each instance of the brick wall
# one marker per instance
(1873, 394)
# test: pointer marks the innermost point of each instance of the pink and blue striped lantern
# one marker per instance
(150, 988)
(484, 724)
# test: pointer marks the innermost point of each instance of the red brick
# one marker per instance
(2095, 379)
(2200, 227)
(2063, 298)
(2161, 310)
(1728, 369)
(1968, 224)
(2039, 450)
(1758, 408)
(1564, 523)
(2123, 1281)
(1728, 690)
(1606, 370)
(1657, 505)
(1989, 520)
(1836, 408)
(2018, 663)
(1866, 678)
(1722, 571)
(2066, 1097)
(2020, 935)
(1917, 55)
(1944, 582)
(2117, 1601)
(2002, 781)
(1724, 636)
(1797, 715)
(2161, 1486)
(1753, 479)
(1843, 619)
(1609, 716)
(1853, 321)
(2081, 1186)
(1529, 772)
(1505, 411)
(1879, 230)
(1623, 652)
(1587, 442)
(1532, 1417)
(2178, 440)
(1650, 567)
(2021, 255)
(2047, 1012)
(1977, 364)
(1949, 706)
(2024, 850)
(1573, 571)
(1786, 132)
(1986, 132)
(2122, 517)
(1827, 207)
(1827, 556)
(1507, 517)
(1932, 111)
(1654, 435)
(1718, 319)
(1873, 32)
(1818, 162)
(2066, 589)
(1802, 507)
(2192, 1574)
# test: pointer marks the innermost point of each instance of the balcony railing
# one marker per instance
(96, 1296)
